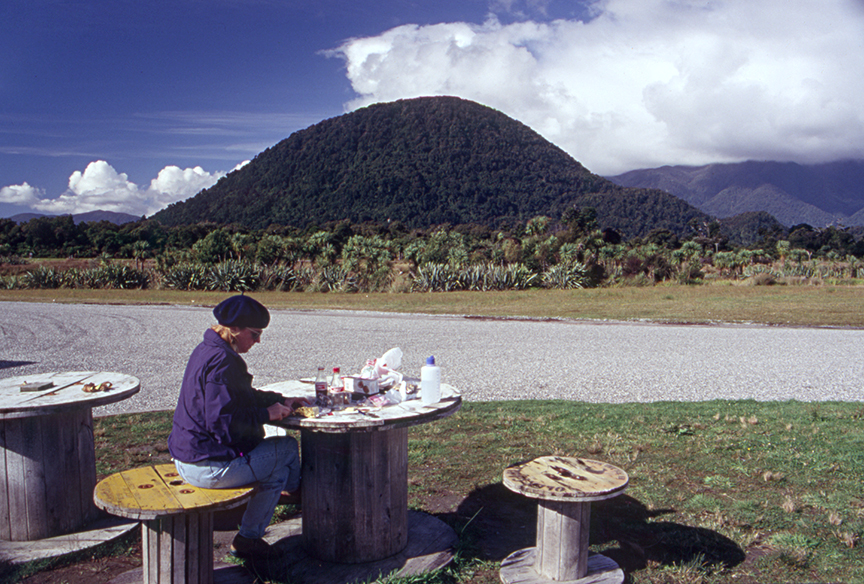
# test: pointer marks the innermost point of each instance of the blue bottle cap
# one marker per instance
(430, 360)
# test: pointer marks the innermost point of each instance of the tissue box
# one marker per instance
(360, 385)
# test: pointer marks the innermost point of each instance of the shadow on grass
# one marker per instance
(500, 522)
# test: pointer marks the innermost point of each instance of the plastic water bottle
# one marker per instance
(336, 382)
(430, 382)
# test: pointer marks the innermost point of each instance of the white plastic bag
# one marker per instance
(385, 368)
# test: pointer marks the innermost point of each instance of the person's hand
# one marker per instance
(298, 402)
(278, 411)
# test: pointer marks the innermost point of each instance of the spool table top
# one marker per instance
(408, 413)
(49, 393)
(556, 478)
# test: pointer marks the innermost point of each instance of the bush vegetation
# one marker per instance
(571, 252)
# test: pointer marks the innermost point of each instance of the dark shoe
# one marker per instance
(245, 548)
(290, 498)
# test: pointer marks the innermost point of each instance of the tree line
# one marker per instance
(569, 252)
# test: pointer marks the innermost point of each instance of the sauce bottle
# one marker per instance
(430, 382)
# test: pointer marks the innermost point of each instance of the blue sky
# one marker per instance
(130, 105)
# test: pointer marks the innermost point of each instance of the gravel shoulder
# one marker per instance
(488, 359)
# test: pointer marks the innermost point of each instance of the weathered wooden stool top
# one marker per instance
(556, 478)
(565, 488)
(157, 491)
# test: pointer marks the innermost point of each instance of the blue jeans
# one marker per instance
(274, 465)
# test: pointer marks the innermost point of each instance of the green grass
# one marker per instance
(722, 302)
(711, 483)
(720, 491)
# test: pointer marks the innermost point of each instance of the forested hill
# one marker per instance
(423, 162)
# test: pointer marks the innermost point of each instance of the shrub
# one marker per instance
(335, 278)
(474, 278)
(369, 260)
(761, 276)
(512, 277)
(233, 276)
(75, 278)
(435, 277)
(120, 277)
(43, 278)
(305, 278)
(185, 276)
(277, 277)
(11, 282)
(690, 273)
(565, 276)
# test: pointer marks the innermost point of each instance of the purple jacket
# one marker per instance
(219, 414)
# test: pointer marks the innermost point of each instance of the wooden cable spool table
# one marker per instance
(355, 475)
(177, 536)
(47, 450)
(564, 489)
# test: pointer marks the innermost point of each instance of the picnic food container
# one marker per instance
(361, 385)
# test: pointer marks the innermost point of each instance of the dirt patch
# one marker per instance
(59, 265)
(87, 570)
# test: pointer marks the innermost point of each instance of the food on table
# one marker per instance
(93, 388)
(306, 411)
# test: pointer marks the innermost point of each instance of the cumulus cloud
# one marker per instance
(646, 82)
(23, 194)
(174, 184)
(101, 187)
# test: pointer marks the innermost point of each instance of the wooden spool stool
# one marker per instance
(177, 537)
(564, 489)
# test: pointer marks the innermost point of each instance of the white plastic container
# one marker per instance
(430, 382)
(360, 384)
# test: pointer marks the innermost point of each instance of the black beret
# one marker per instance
(242, 311)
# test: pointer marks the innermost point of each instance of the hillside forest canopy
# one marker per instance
(421, 162)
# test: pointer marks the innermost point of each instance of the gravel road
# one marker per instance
(487, 359)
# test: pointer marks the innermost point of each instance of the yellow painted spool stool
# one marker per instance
(564, 489)
(177, 537)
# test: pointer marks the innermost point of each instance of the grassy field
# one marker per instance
(825, 305)
(720, 491)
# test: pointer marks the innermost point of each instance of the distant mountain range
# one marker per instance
(817, 194)
(89, 217)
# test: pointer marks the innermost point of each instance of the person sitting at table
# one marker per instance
(217, 438)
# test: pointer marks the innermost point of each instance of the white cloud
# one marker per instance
(646, 82)
(175, 184)
(23, 194)
(101, 187)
